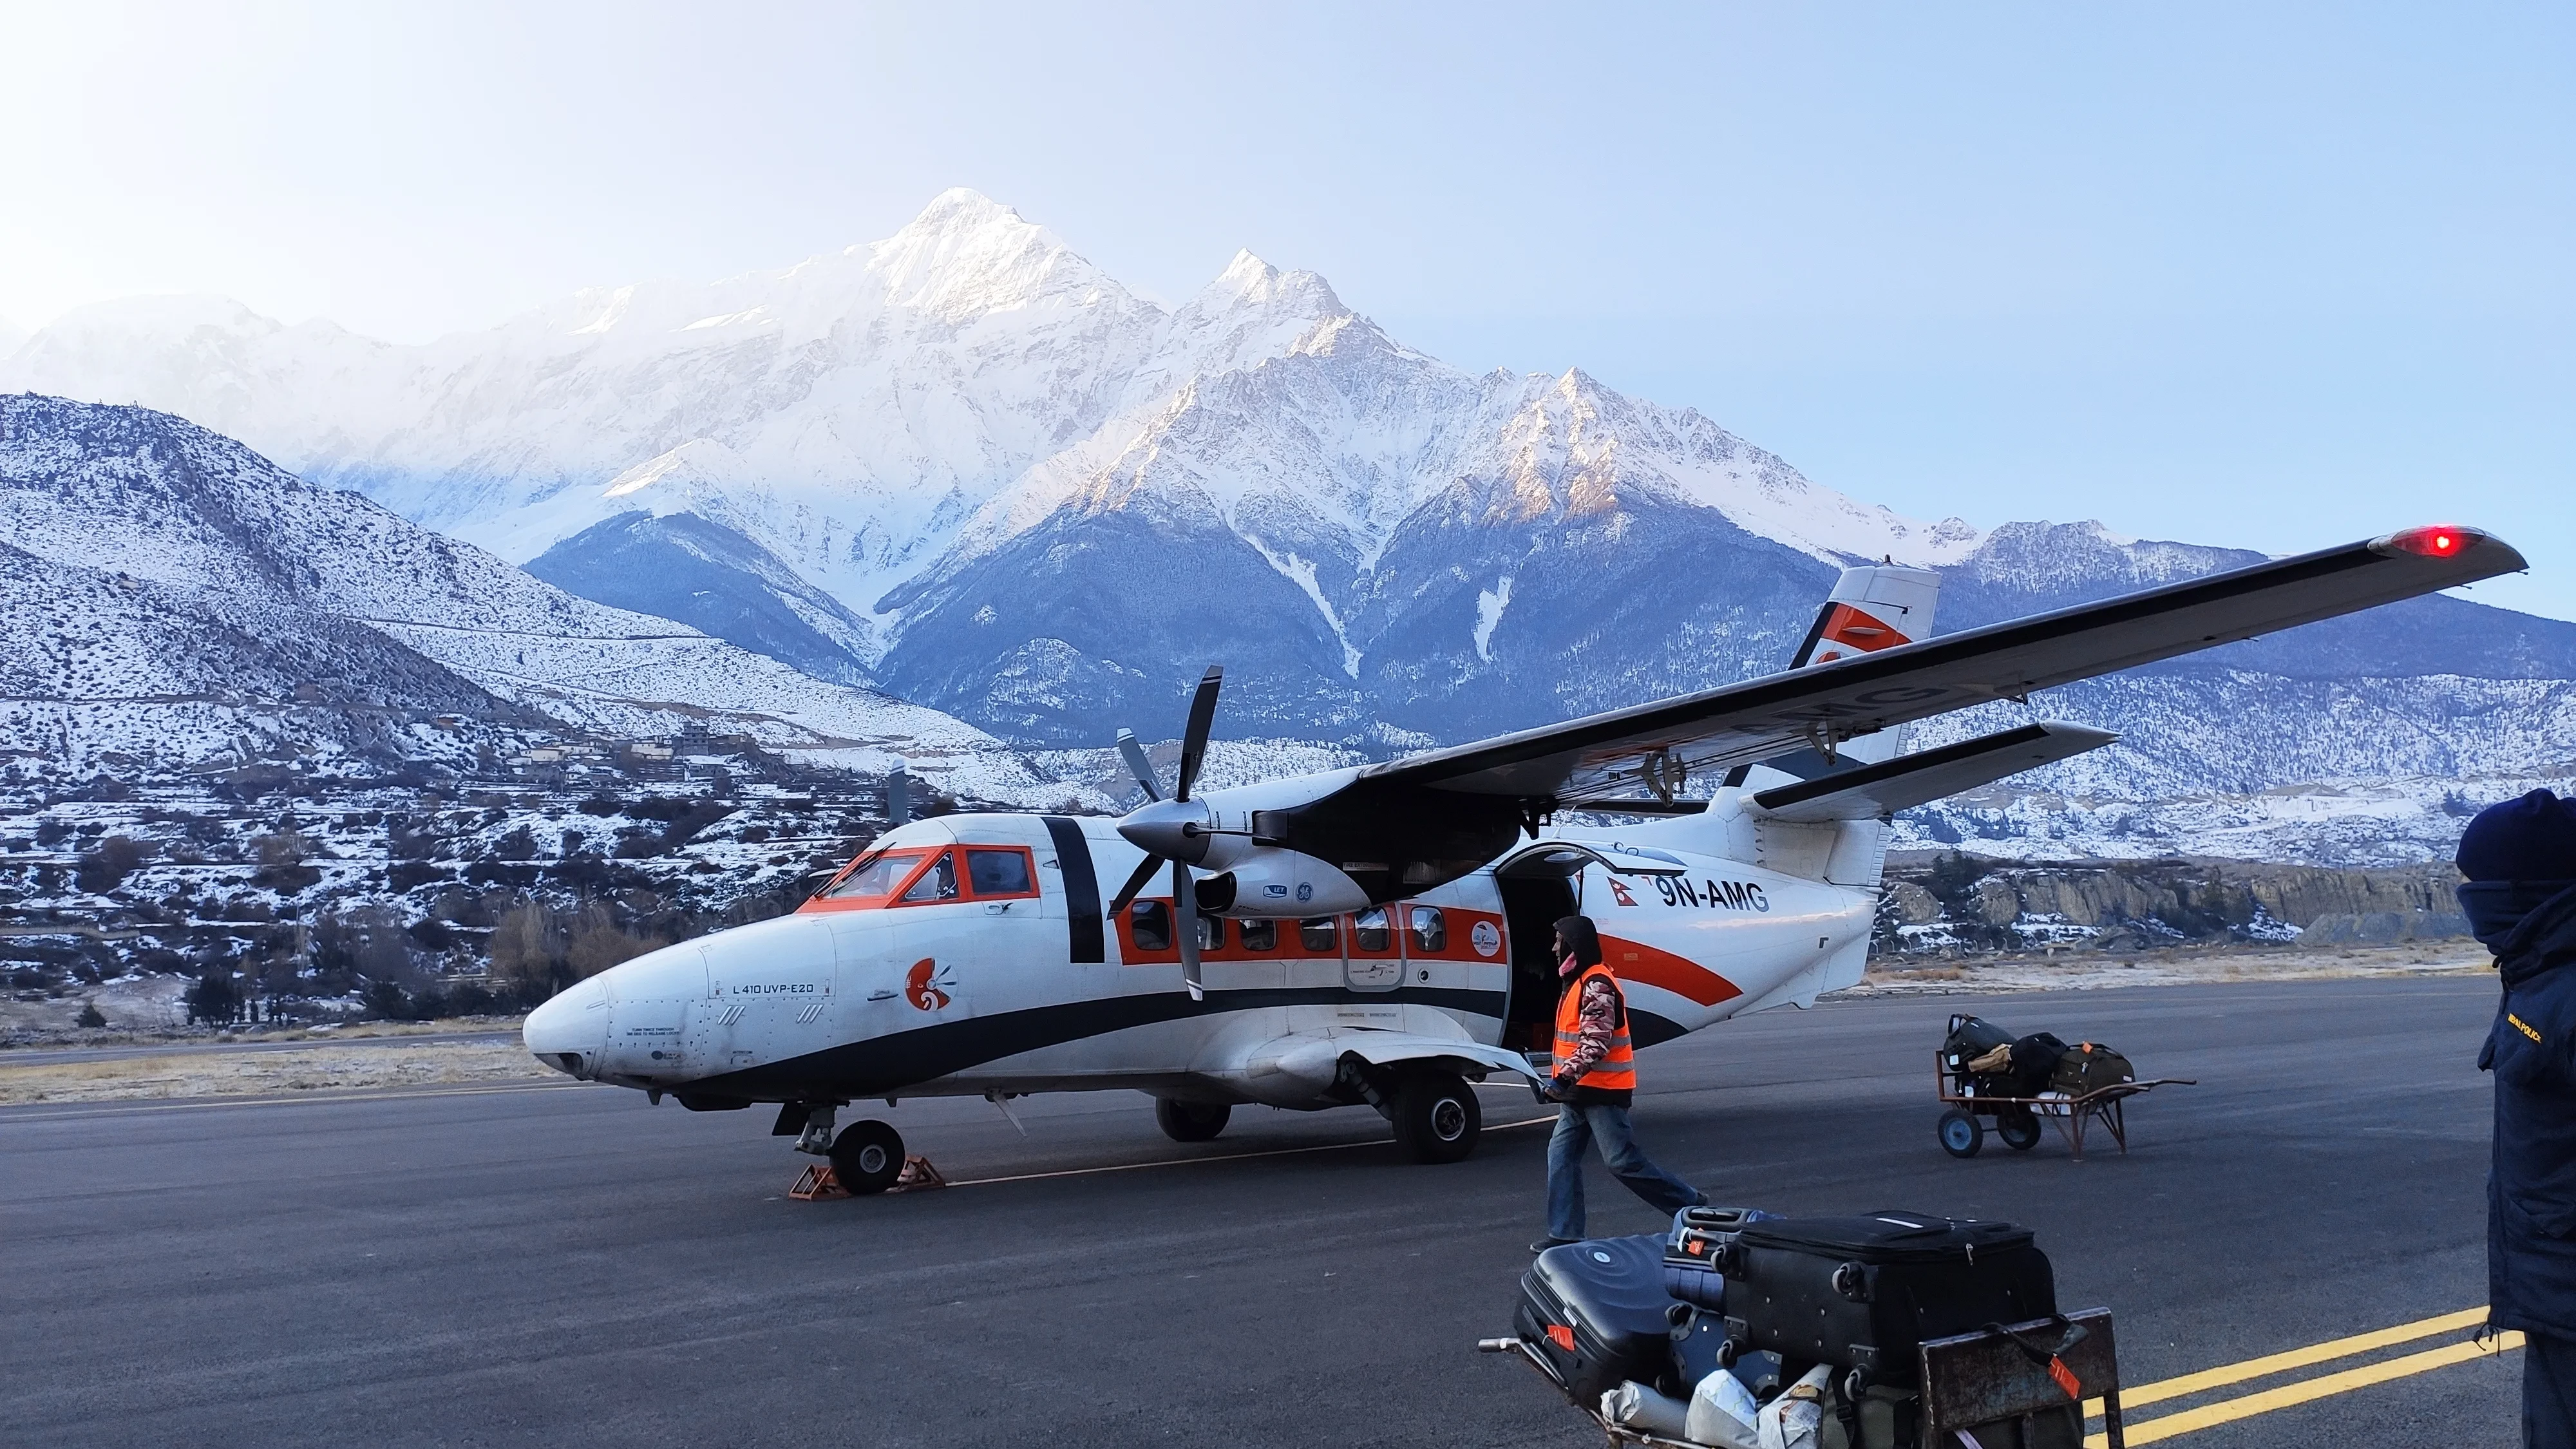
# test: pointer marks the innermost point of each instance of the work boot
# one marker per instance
(1543, 1244)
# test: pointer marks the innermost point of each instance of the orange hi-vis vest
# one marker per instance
(1617, 1069)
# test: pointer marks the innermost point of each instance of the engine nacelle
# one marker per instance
(1267, 882)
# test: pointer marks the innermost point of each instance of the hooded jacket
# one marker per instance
(2531, 1048)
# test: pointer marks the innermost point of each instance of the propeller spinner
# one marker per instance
(1171, 830)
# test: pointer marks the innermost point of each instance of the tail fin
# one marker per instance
(1872, 607)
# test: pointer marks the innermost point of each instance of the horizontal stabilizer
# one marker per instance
(1864, 792)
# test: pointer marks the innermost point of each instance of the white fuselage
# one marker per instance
(1026, 988)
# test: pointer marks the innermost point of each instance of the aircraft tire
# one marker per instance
(867, 1157)
(1437, 1117)
(1190, 1121)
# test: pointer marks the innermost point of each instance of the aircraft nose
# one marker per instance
(567, 1032)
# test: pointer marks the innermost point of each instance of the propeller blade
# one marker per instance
(1185, 926)
(1135, 883)
(1137, 763)
(1194, 739)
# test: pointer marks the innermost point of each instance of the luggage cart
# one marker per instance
(1989, 1390)
(2017, 1119)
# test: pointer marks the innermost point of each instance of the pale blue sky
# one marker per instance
(2267, 275)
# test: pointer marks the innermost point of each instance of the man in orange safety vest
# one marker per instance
(1594, 1079)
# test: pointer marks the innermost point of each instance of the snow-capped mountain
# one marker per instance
(156, 566)
(11, 335)
(967, 466)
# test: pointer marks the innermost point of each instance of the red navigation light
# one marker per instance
(2441, 540)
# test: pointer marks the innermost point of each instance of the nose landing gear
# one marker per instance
(867, 1157)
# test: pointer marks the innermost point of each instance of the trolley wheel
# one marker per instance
(1961, 1134)
(2019, 1130)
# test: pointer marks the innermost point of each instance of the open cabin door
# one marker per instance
(1537, 883)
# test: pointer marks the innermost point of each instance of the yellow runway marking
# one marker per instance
(2246, 1406)
(1223, 1157)
(2255, 1368)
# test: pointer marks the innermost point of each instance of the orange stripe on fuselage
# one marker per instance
(1636, 961)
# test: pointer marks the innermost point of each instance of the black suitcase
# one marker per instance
(1597, 1312)
(1862, 1293)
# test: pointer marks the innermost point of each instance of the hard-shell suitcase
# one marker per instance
(1690, 1254)
(2090, 1067)
(1597, 1312)
(1863, 1292)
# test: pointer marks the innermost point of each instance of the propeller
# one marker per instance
(1162, 841)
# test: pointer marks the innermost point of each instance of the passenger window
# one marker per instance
(939, 883)
(1258, 935)
(1320, 936)
(1149, 924)
(999, 873)
(1368, 930)
(1430, 930)
(1211, 933)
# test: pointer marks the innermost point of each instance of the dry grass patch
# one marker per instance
(214, 1074)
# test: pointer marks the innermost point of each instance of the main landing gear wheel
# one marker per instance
(1961, 1134)
(1190, 1121)
(867, 1157)
(2020, 1131)
(1436, 1117)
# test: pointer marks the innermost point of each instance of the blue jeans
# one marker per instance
(1581, 1125)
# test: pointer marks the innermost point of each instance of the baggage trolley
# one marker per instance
(2030, 1383)
(2017, 1119)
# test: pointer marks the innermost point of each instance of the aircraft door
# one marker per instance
(1533, 902)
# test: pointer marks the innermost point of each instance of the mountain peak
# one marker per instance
(966, 255)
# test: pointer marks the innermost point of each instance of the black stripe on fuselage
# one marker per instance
(1081, 889)
(879, 1065)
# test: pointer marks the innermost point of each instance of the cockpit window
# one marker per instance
(874, 877)
(939, 883)
(999, 872)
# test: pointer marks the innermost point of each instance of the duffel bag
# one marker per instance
(1597, 1313)
(2034, 1062)
(2090, 1067)
(1864, 1292)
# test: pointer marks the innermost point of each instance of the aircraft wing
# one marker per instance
(1604, 756)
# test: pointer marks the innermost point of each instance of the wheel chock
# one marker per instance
(817, 1184)
(917, 1176)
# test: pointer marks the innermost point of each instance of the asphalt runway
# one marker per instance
(565, 1265)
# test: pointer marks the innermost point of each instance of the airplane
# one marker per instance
(1381, 934)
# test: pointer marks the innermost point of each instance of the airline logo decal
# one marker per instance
(922, 985)
(1486, 938)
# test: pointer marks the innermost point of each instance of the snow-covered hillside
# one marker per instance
(160, 565)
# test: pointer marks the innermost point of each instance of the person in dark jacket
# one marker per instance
(2520, 897)
(1595, 1078)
